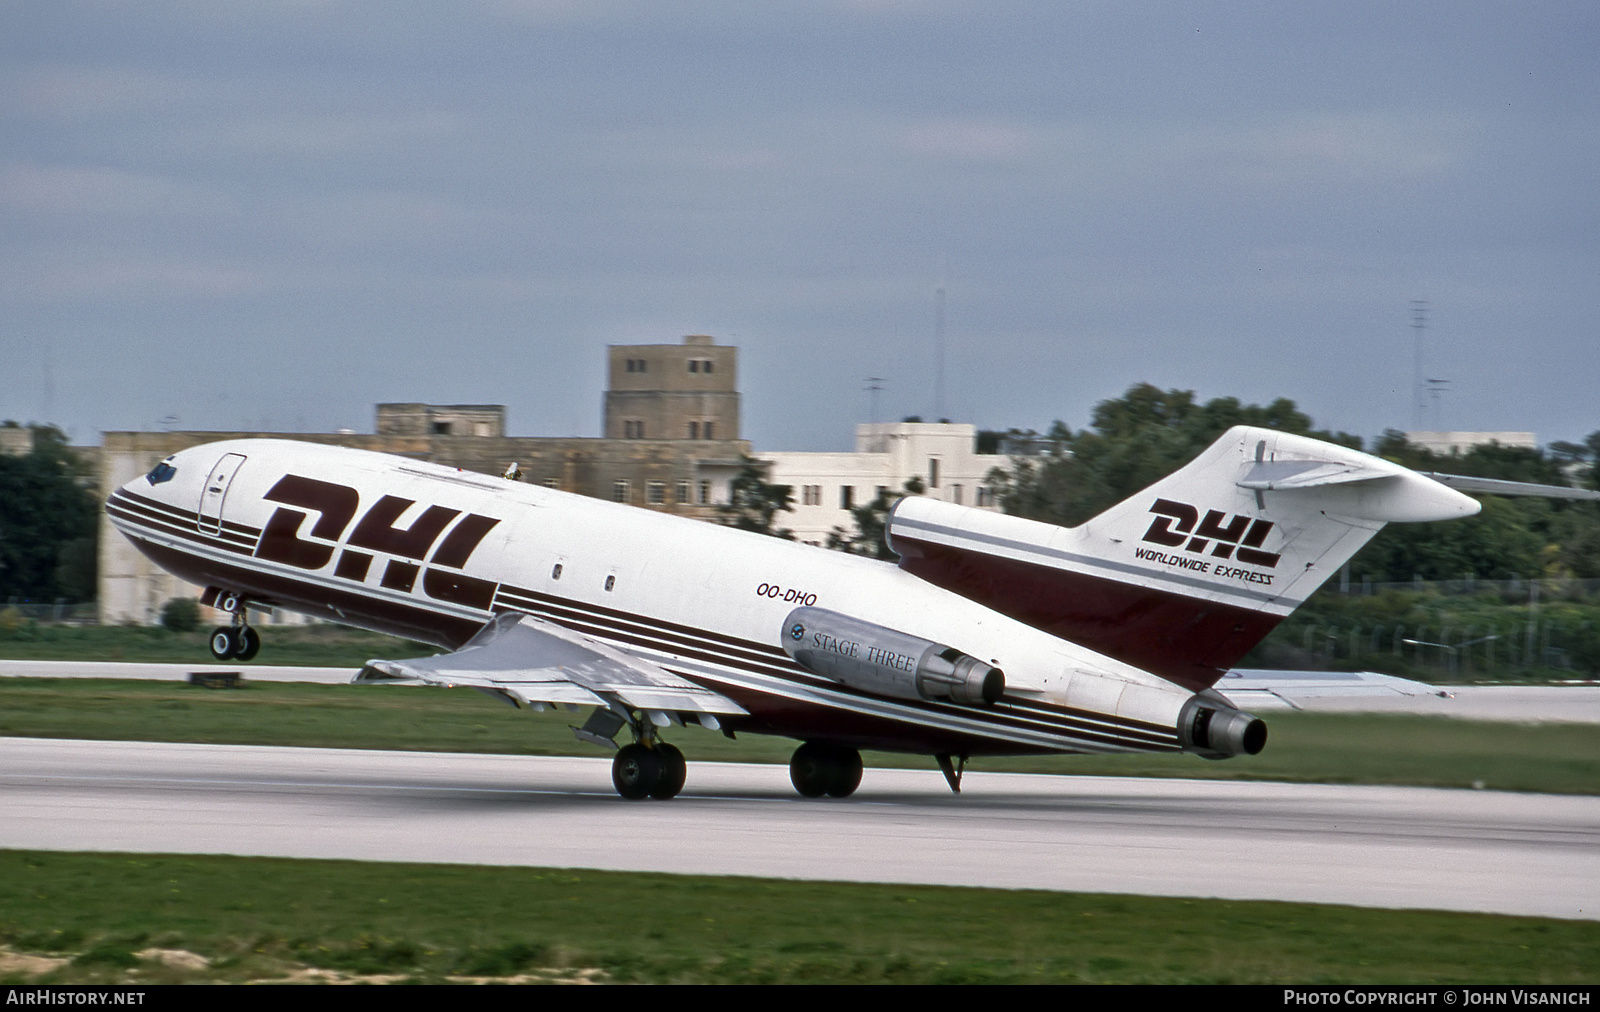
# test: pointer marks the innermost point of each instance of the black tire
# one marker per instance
(224, 645)
(673, 771)
(249, 644)
(846, 773)
(810, 770)
(635, 772)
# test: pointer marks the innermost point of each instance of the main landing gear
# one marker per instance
(818, 768)
(640, 771)
(649, 768)
(236, 642)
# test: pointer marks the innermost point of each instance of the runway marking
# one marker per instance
(44, 780)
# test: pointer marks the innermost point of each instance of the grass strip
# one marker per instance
(318, 645)
(101, 916)
(1304, 747)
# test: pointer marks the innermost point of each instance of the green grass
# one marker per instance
(1331, 748)
(262, 919)
(319, 645)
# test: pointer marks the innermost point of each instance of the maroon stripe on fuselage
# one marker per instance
(1183, 639)
(794, 718)
(155, 507)
(695, 642)
(772, 660)
(164, 526)
(349, 607)
(1022, 715)
(756, 651)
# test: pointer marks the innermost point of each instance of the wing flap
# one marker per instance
(534, 660)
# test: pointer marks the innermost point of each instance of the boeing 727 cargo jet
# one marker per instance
(993, 635)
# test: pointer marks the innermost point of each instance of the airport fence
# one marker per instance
(1512, 591)
(1466, 629)
(60, 611)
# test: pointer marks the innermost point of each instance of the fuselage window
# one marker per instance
(611, 581)
(555, 572)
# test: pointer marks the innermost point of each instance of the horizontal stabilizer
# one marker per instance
(532, 660)
(1255, 688)
(1278, 475)
(1495, 486)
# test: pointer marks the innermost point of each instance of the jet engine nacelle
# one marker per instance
(1213, 729)
(885, 661)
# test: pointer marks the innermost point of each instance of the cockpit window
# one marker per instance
(160, 473)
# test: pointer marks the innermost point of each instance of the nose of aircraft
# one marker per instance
(158, 475)
(156, 483)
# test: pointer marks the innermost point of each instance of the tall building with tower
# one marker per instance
(672, 391)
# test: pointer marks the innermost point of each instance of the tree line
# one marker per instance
(1135, 440)
(49, 522)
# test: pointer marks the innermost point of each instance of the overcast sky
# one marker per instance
(276, 214)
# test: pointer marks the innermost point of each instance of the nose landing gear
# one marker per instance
(236, 642)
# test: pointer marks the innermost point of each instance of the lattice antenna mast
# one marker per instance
(938, 342)
(1419, 394)
(874, 387)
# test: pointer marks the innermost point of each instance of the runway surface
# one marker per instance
(1516, 703)
(1368, 846)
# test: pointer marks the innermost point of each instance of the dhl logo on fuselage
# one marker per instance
(1178, 523)
(375, 532)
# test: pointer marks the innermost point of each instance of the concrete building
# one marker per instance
(672, 391)
(1451, 443)
(16, 440)
(483, 421)
(826, 486)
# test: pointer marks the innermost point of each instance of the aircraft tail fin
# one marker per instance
(1185, 577)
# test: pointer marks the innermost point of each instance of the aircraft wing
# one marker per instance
(527, 660)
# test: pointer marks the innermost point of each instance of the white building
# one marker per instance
(826, 486)
(1452, 443)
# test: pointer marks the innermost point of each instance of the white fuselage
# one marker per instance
(432, 553)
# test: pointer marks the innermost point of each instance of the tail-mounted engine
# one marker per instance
(887, 662)
(1213, 729)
